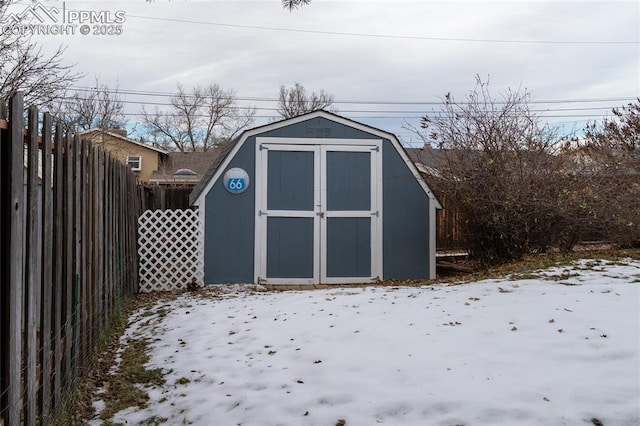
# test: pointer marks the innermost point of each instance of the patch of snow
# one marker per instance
(98, 407)
(563, 348)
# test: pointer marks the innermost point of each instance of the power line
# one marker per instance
(358, 102)
(387, 36)
(380, 117)
(420, 113)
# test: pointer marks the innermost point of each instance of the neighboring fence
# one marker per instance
(165, 197)
(170, 248)
(449, 235)
(67, 259)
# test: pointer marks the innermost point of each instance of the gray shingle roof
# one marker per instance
(199, 162)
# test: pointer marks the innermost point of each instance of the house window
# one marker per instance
(135, 162)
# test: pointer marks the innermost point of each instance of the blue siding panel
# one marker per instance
(290, 181)
(230, 226)
(405, 220)
(318, 127)
(348, 247)
(348, 180)
(290, 247)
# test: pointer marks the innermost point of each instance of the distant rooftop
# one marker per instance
(185, 167)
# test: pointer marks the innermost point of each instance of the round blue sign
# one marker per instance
(236, 180)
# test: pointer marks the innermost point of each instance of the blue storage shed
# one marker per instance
(316, 199)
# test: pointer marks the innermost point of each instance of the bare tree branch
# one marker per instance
(198, 120)
(294, 101)
(97, 107)
(24, 67)
(294, 4)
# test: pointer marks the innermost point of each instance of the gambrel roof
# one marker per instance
(229, 150)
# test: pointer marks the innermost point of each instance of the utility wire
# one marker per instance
(125, 101)
(387, 36)
(359, 102)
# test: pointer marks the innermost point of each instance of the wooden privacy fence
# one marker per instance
(156, 197)
(449, 234)
(68, 257)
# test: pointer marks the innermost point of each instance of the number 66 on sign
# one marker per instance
(236, 180)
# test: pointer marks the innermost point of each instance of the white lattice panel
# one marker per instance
(170, 249)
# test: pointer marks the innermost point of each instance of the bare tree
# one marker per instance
(198, 120)
(503, 171)
(294, 4)
(98, 106)
(24, 67)
(293, 101)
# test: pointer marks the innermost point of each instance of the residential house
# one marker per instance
(143, 159)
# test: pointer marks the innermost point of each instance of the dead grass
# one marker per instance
(125, 388)
(528, 266)
(78, 408)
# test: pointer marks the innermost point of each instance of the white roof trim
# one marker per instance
(124, 138)
(329, 116)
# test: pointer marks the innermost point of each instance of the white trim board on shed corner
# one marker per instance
(301, 118)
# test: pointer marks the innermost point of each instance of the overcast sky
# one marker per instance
(379, 53)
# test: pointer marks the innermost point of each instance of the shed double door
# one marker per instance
(318, 212)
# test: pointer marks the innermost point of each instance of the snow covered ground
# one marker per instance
(561, 347)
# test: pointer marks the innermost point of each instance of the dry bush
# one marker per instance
(611, 152)
(508, 176)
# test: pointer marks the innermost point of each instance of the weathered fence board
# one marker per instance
(47, 272)
(68, 217)
(68, 264)
(58, 190)
(32, 284)
(15, 282)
